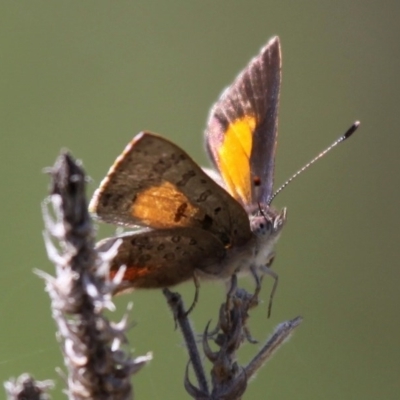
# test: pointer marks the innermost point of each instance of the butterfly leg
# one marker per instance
(196, 293)
(258, 280)
(231, 292)
(239, 300)
(231, 287)
(268, 271)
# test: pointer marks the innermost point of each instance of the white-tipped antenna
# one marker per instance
(342, 138)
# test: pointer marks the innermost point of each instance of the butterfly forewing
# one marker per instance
(162, 258)
(242, 128)
(156, 184)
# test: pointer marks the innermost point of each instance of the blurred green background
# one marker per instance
(89, 75)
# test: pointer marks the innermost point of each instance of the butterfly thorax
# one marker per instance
(266, 224)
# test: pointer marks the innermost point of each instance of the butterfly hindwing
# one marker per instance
(162, 258)
(156, 184)
(241, 132)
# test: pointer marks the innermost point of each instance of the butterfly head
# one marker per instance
(266, 221)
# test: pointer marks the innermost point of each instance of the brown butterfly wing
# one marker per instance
(156, 184)
(162, 258)
(241, 133)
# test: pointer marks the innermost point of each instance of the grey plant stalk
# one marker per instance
(228, 379)
(27, 388)
(98, 366)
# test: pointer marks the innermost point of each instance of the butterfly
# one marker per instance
(199, 223)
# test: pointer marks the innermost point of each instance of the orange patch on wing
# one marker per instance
(164, 206)
(132, 273)
(131, 276)
(234, 158)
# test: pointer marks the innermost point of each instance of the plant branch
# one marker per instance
(98, 366)
(228, 378)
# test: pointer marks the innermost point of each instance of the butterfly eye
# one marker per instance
(260, 225)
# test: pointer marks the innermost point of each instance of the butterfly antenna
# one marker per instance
(342, 138)
(261, 210)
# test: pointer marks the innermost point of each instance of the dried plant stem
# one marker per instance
(26, 388)
(181, 318)
(98, 366)
(229, 380)
(282, 333)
